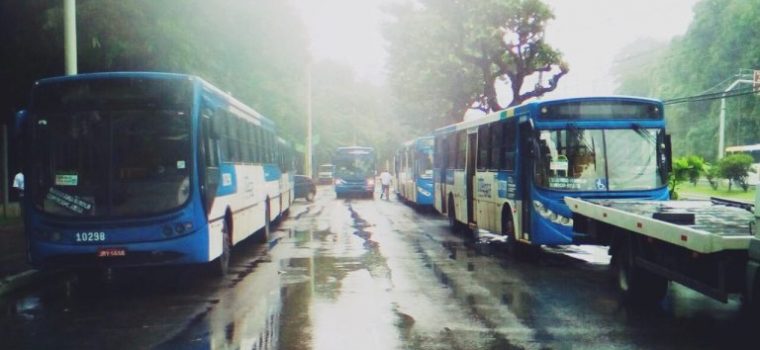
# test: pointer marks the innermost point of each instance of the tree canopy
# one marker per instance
(253, 49)
(446, 56)
(723, 38)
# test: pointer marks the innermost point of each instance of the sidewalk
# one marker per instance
(14, 271)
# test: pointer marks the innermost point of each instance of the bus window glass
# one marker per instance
(113, 163)
(484, 147)
(425, 165)
(461, 149)
(598, 160)
(632, 159)
(509, 145)
(497, 141)
(451, 159)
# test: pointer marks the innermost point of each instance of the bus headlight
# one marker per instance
(370, 182)
(424, 192)
(547, 213)
(339, 182)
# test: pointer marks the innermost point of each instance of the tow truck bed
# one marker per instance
(716, 227)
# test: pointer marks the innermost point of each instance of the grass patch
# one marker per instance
(704, 190)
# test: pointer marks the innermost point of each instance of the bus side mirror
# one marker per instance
(668, 153)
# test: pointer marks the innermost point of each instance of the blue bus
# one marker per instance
(413, 165)
(142, 169)
(354, 172)
(509, 172)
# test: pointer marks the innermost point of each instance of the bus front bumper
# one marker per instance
(188, 249)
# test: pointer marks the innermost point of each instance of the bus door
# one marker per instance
(444, 167)
(526, 156)
(472, 151)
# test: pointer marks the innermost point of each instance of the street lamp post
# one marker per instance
(309, 143)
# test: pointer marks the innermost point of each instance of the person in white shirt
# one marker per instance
(18, 184)
(385, 181)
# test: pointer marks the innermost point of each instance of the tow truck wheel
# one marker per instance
(636, 284)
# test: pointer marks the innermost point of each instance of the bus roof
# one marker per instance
(231, 101)
(532, 106)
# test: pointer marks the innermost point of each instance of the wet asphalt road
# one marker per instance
(368, 274)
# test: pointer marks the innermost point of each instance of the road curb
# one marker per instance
(17, 281)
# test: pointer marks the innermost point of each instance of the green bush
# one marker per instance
(735, 168)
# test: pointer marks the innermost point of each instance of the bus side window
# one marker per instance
(484, 145)
(451, 140)
(461, 149)
(509, 144)
(497, 142)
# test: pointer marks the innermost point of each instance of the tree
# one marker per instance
(450, 56)
(351, 112)
(721, 39)
(735, 168)
(253, 49)
(679, 174)
(696, 168)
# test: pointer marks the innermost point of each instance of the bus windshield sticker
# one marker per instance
(560, 164)
(180, 164)
(66, 179)
(567, 183)
(226, 179)
(68, 201)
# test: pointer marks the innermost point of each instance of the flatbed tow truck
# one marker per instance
(710, 246)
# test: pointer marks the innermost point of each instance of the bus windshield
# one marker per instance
(354, 166)
(111, 163)
(425, 164)
(598, 160)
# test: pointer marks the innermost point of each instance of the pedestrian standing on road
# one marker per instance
(18, 184)
(385, 181)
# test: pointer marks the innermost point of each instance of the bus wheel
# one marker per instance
(221, 265)
(455, 226)
(263, 236)
(310, 196)
(516, 249)
(635, 283)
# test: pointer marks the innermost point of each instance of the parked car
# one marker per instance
(304, 187)
(325, 174)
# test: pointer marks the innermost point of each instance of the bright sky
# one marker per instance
(590, 33)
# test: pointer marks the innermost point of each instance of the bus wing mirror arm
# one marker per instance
(668, 154)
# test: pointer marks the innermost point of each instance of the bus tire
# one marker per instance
(221, 265)
(516, 249)
(263, 236)
(310, 196)
(636, 284)
(455, 225)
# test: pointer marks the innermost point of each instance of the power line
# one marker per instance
(711, 96)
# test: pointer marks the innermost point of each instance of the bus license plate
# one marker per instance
(111, 252)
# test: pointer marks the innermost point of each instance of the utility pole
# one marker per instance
(70, 35)
(722, 118)
(308, 160)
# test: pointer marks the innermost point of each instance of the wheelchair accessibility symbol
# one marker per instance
(601, 184)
